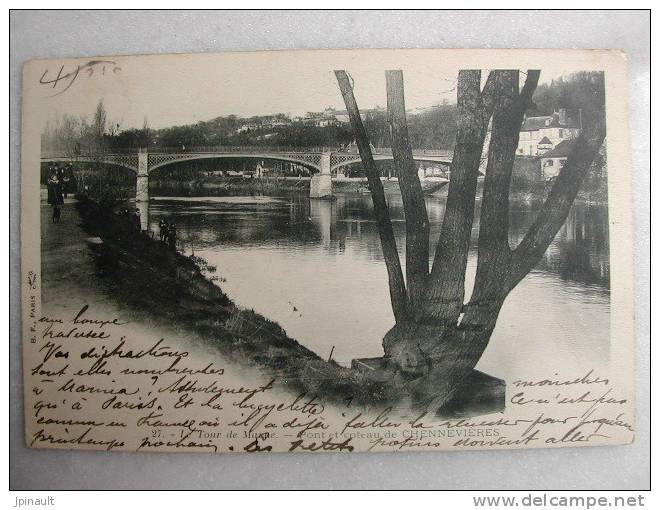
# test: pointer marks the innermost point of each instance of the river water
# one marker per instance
(316, 268)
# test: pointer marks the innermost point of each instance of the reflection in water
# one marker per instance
(316, 268)
(321, 215)
(579, 252)
(143, 207)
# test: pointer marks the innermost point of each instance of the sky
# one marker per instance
(172, 90)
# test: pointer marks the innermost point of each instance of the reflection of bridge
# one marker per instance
(323, 161)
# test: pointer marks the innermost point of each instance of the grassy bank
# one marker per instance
(163, 285)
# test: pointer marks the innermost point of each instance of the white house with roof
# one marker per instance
(541, 134)
(554, 160)
(320, 119)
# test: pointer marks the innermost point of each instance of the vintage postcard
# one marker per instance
(327, 251)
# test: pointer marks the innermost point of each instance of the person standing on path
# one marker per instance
(162, 226)
(171, 236)
(55, 198)
(67, 173)
(137, 220)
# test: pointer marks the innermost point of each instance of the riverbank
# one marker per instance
(527, 185)
(142, 274)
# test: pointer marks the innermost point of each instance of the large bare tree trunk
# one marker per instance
(418, 344)
(388, 242)
(440, 338)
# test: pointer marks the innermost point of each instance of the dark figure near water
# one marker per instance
(124, 214)
(171, 236)
(67, 174)
(137, 223)
(162, 230)
(55, 198)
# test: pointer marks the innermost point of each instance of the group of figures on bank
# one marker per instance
(167, 233)
(167, 229)
(134, 218)
(60, 183)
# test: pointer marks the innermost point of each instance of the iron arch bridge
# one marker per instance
(324, 161)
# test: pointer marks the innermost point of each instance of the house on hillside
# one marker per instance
(250, 126)
(274, 122)
(541, 134)
(342, 117)
(320, 119)
(325, 121)
(553, 161)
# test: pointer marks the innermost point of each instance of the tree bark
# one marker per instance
(494, 253)
(446, 286)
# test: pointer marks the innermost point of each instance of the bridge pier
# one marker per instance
(320, 186)
(142, 187)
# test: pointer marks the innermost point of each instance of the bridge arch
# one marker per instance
(389, 157)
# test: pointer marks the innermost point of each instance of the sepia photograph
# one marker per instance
(372, 248)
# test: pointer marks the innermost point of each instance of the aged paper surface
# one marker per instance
(382, 250)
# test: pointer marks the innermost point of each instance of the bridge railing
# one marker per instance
(416, 152)
(284, 148)
(238, 149)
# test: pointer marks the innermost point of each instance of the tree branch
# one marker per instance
(446, 287)
(387, 240)
(417, 224)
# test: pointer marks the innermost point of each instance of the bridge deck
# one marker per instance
(315, 158)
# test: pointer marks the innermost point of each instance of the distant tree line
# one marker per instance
(575, 92)
(432, 128)
(79, 136)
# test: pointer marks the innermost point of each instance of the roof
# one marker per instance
(535, 123)
(561, 151)
(545, 141)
